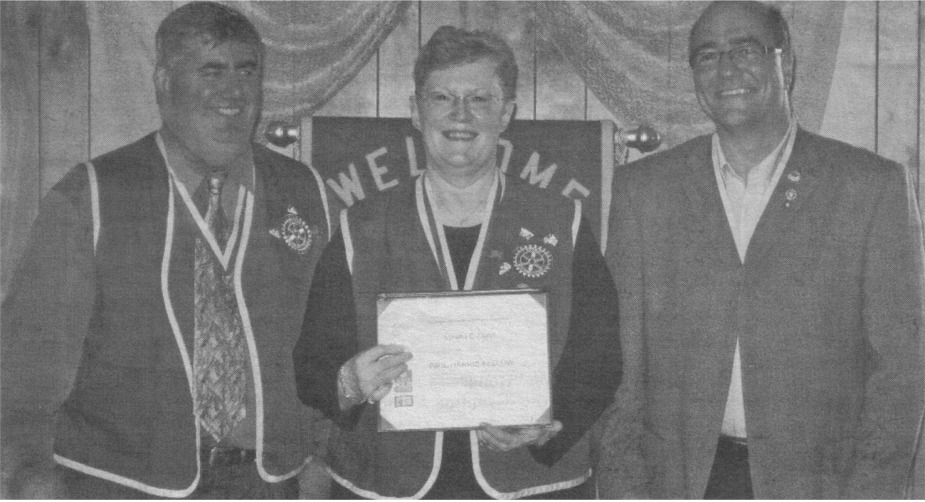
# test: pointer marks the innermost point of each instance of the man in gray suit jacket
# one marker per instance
(770, 289)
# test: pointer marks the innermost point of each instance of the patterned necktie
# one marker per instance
(220, 353)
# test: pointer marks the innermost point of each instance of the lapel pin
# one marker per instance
(793, 176)
(791, 195)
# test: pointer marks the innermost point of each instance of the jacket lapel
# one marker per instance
(706, 215)
(800, 178)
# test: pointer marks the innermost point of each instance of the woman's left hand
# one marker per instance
(509, 438)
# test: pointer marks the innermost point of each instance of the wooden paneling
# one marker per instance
(920, 172)
(64, 76)
(897, 76)
(19, 79)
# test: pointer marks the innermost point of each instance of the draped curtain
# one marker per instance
(633, 57)
(313, 49)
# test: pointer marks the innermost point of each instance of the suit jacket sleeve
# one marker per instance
(622, 471)
(45, 319)
(892, 318)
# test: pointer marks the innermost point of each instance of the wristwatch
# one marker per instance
(345, 389)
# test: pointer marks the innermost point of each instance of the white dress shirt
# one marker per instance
(744, 200)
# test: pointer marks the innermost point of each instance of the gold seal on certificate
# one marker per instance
(478, 357)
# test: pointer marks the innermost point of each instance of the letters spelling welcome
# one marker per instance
(350, 187)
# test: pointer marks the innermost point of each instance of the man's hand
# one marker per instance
(369, 375)
(509, 438)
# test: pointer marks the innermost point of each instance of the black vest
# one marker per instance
(391, 253)
(130, 418)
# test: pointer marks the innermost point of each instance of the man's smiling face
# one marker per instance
(210, 99)
(739, 97)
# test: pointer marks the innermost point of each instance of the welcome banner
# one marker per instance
(360, 157)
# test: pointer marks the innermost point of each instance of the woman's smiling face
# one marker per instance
(460, 113)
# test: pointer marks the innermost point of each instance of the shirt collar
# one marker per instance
(769, 168)
(239, 173)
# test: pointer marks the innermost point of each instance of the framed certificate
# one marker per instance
(478, 357)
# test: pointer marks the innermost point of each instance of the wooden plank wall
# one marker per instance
(47, 95)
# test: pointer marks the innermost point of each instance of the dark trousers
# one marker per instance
(239, 481)
(730, 477)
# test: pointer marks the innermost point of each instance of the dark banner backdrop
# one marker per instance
(359, 157)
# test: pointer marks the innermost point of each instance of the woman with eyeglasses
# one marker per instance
(462, 225)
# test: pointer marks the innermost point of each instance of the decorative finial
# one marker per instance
(281, 134)
(644, 138)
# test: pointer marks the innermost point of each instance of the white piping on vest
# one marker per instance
(94, 203)
(438, 458)
(348, 240)
(576, 222)
(187, 366)
(422, 217)
(441, 233)
(324, 200)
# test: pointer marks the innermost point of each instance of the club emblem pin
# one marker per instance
(793, 176)
(532, 260)
(791, 195)
(551, 240)
(295, 232)
(505, 268)
(526, 234)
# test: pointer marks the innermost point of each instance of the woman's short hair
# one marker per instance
(450, 46)
(213, 22)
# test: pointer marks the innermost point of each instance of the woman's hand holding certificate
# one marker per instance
(369, 375)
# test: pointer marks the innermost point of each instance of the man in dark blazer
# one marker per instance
(770, 288)
(146, 342)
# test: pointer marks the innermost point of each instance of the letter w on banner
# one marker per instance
(359, 157)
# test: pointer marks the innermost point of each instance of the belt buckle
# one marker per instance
(224, 455)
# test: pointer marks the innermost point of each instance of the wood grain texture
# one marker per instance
(897, 65)
(64, 76)
(20, 25)
(920, 175)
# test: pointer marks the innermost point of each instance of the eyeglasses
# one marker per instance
(478, 103)
(742, 54)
